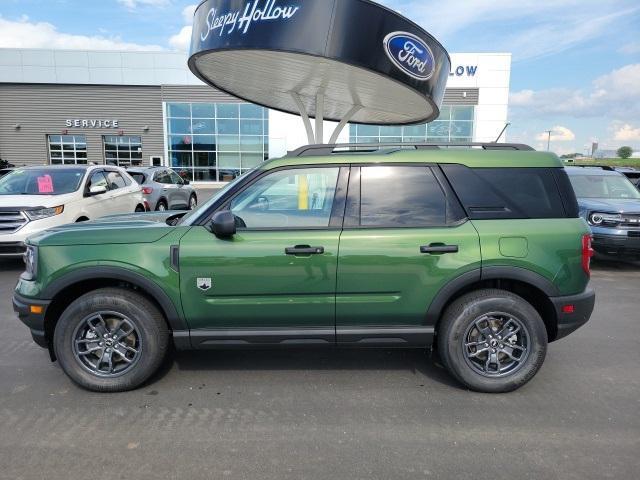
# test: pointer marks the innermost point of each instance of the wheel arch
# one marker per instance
(531, 286)
(72, 285)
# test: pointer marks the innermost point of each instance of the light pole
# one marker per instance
(548, 139)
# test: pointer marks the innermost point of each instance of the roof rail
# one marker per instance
(328, 149)
(603, 167)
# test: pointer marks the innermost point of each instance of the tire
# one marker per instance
(149, 338)
(139, 209)
(162, 206)
(475, 317)
(193, 202)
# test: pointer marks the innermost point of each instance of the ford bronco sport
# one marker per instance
(478, 253)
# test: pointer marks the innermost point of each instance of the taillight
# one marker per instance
(587, 253)
(147, 190)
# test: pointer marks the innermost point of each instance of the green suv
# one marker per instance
(478, 253)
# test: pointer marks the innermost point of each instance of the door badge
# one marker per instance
(203, 284)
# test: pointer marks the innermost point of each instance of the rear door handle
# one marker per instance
(439, 248)
(304, 250)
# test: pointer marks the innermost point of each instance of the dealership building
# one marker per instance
(147, 108)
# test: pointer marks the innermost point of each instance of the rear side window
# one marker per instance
(494, 193)
(138, 177)
(401, 196)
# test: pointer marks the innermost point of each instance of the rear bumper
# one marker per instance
(582, 303)
(618, 245)
(35, 321)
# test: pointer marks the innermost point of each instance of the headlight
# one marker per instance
(44, 212)
(597, 218)
(31, 263)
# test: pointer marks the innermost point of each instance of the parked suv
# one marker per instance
(164, 189)
(33, 199)
(478, 253)
(610, 203)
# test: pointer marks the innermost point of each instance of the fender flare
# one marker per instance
(486, 273)
(176, 322)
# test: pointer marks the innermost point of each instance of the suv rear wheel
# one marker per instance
(492, 340)
(111, 340)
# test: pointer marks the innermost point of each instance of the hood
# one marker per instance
(21, 202)
(605, 205)
(116, 229)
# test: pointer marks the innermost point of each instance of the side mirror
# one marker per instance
(223, 224)
(97, 189)
(185, 181)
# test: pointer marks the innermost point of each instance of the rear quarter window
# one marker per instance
(495, 193)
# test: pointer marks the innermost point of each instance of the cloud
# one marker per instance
(133, 4)
(182, 40)
(616, 94)
(627, 133)
(527, 28)
(558, 134)
(187, 13)
(26, 34)
(630, 48)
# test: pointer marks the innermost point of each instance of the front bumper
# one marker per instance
(622, 243)
(582, 304)
(35, 321)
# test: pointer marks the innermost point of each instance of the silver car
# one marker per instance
(164, 189)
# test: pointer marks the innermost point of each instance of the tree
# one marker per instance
(5, 164)
(624, 152)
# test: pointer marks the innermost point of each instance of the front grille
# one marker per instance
(15, 248)
(630, 220)
(11, 221)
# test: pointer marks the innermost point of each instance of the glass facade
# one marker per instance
(67, 149)
(216, 141)
(455, 124)
(122, 150)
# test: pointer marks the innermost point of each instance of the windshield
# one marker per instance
(41, 181)
(603, 186)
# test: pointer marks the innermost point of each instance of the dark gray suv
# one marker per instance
(610, 204)
(164, 189)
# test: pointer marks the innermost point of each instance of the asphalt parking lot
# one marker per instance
(335, 414)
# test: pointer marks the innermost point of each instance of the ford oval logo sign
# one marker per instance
(410, 54)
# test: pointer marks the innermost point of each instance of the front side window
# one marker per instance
(98, 180)
(401, 196)
(41, 181)
(613, 187)
(67, 149)
(296, 198)
(115, 180)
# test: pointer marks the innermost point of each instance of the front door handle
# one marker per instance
(439, 248)
(304, 250)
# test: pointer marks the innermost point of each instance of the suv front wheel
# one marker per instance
(111, 340)
(492, 340)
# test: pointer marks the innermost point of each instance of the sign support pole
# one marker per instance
(319, 118)
(305, 117)
(336, 132)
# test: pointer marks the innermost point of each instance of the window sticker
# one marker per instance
(45, 184)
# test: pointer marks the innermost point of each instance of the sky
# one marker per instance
(575, 71)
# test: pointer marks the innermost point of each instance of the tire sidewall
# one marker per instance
(153, 340)
(466, 314)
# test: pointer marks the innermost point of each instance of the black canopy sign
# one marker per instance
(337, 59)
